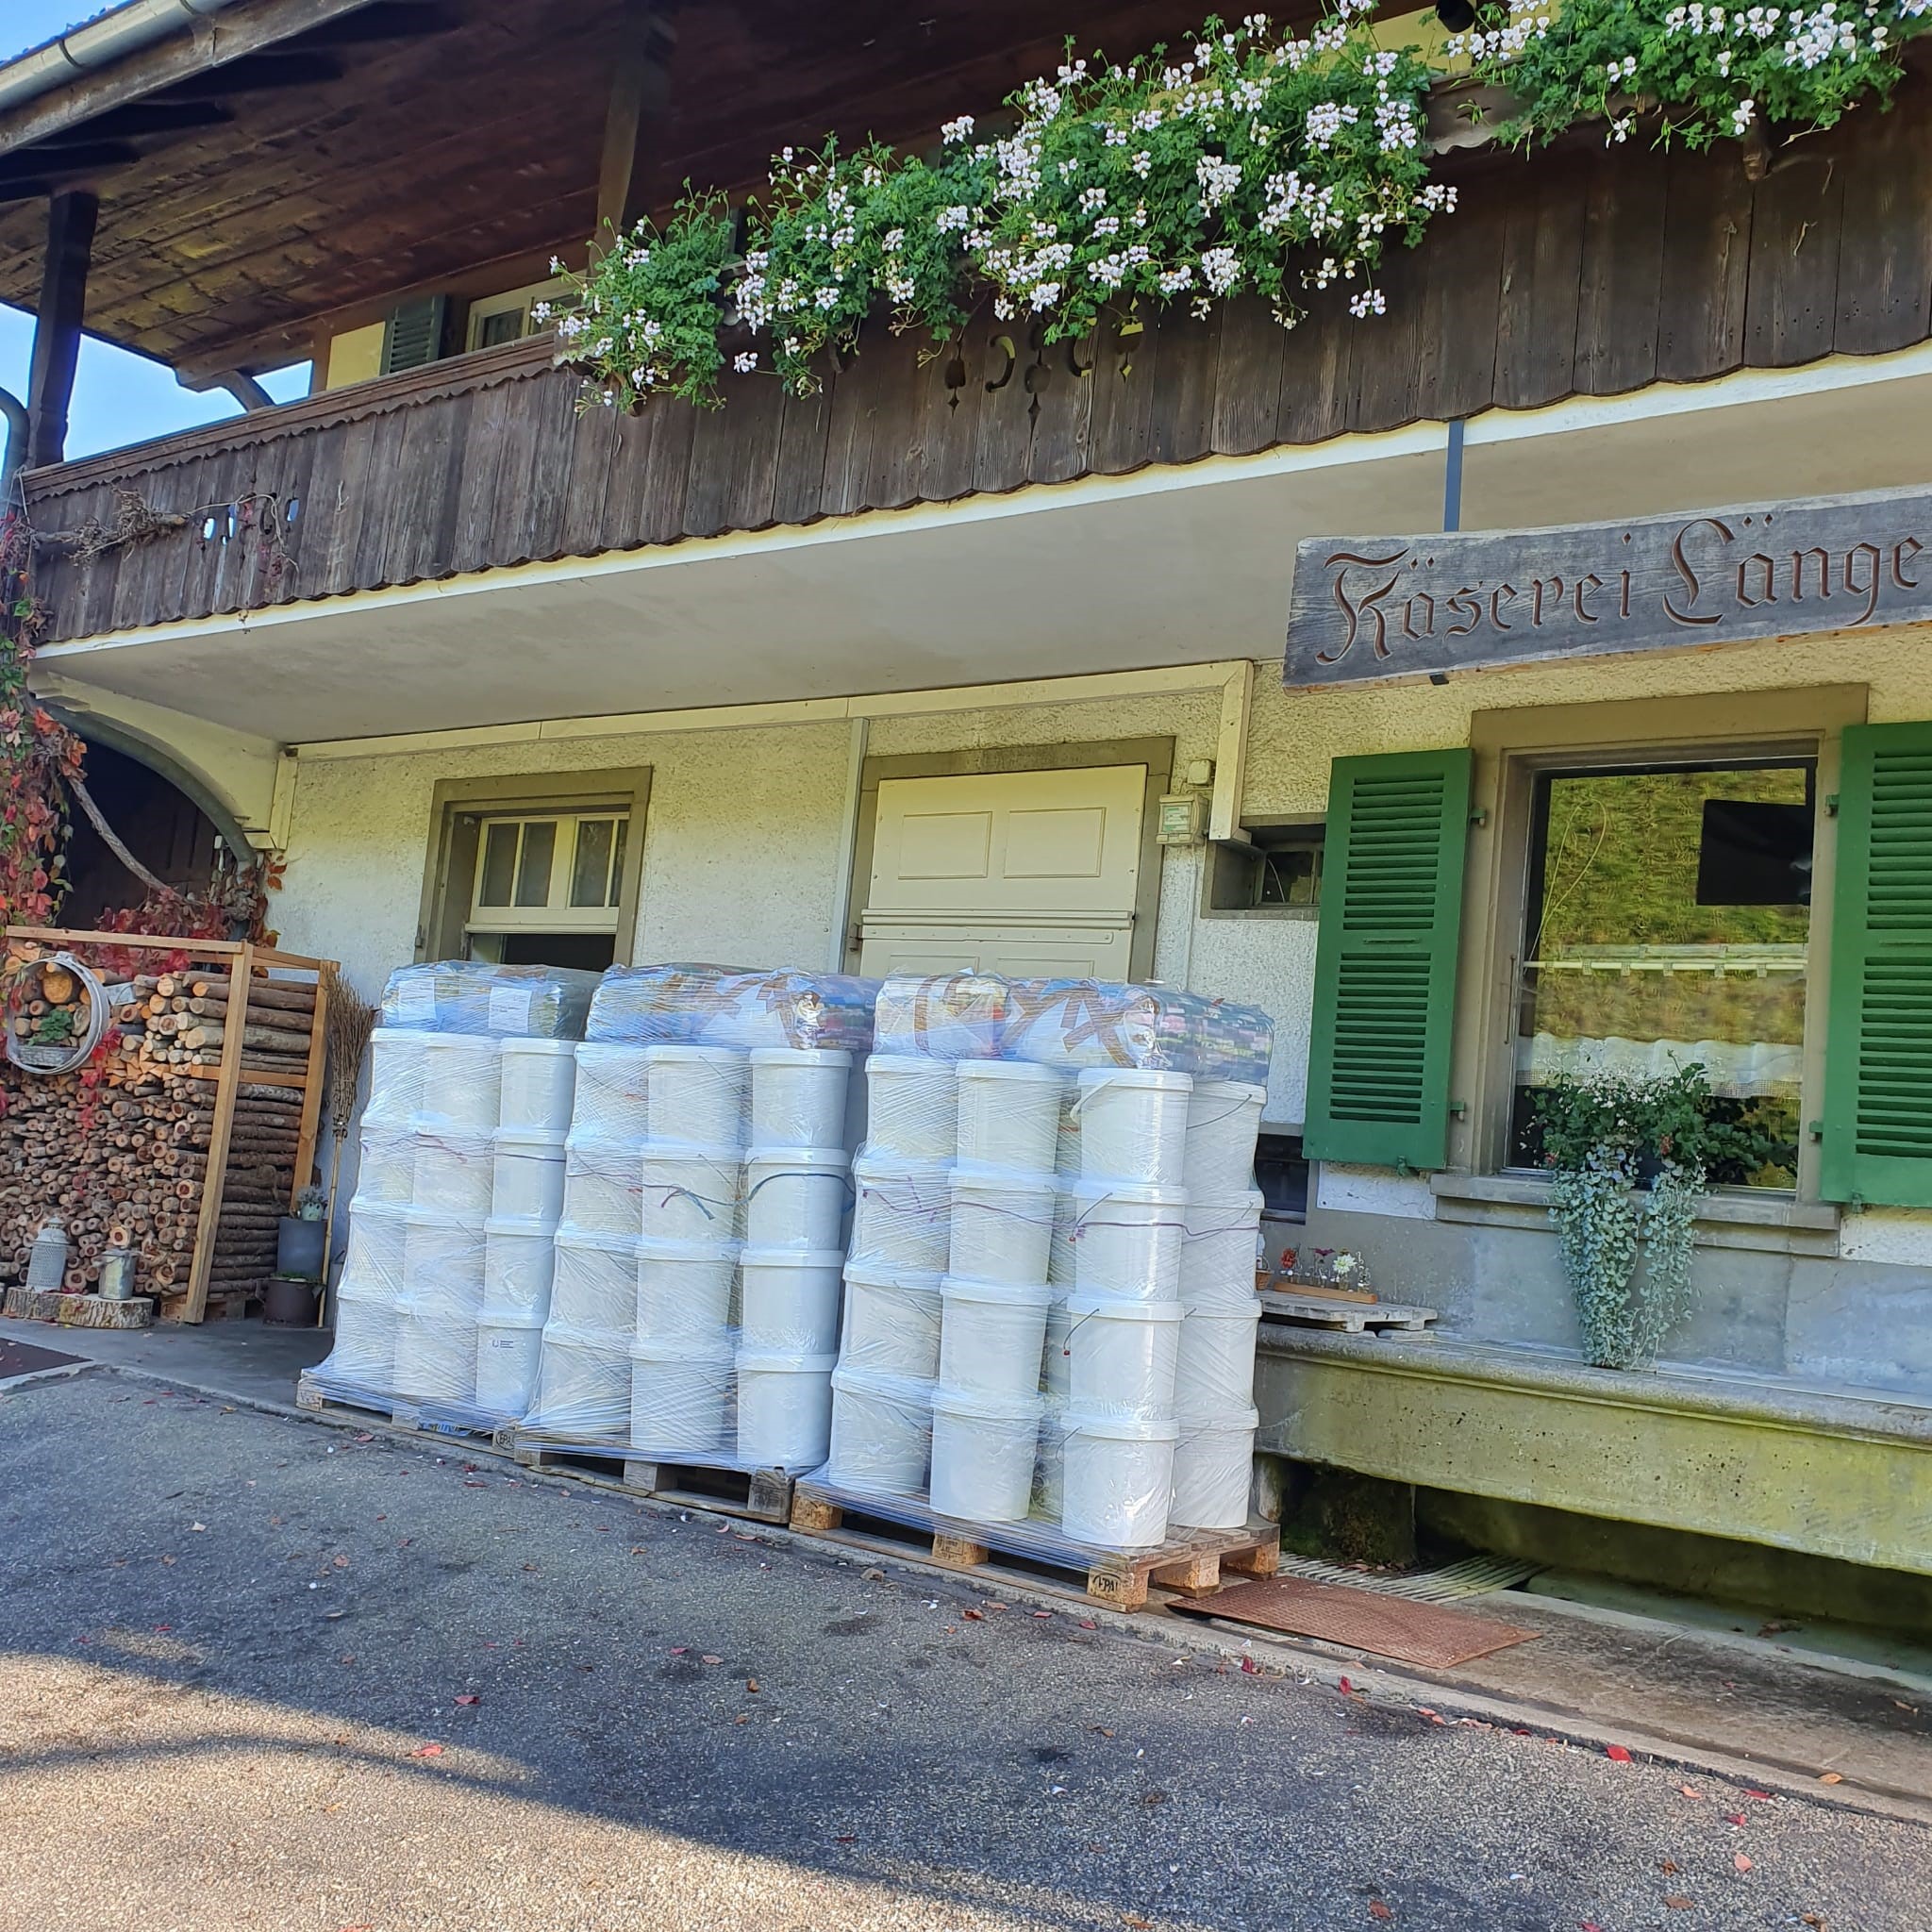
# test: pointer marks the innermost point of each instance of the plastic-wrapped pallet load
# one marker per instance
(705, 1209)
(1089, 1377)
(446, 1277)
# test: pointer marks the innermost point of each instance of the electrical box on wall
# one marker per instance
(1183, 819)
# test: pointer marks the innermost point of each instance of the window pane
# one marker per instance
(533, 870)
(589, 871)
(617, 862)
(1669, 916)
(505, 325)
(499, 863)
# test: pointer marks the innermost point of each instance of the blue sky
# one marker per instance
(118, 398)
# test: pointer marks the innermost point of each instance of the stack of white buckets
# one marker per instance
(695, 1308)
(1049, 1300)
(447, 1271)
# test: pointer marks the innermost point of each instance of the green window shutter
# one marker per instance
(412, 334)
(1385, 966)
(1878, 1039)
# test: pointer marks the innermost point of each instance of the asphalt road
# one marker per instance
(257, 1673)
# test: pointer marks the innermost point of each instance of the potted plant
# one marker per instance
(299, 1240)
(1628, 1160)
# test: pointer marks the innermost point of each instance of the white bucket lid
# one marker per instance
(713, 1353)
(360, 1209)
(677, 1054)
(481, 1044)
(1133, 1192)
(590, 1241)
(466, 1144)
(521, 1319)
(1223, 1422)
(900, 1280)
(1205, 1308)
(348, 1291)
(893, 1167)
(910, 1392)
(906, 1066)
(814, 1259)
(957, 1288)
(400, 1036)
(800, 1057)
(1224, 1211)
(978, 1177)
(688, 1153)
(799, 1159)
(538, 1048)
(605, 1342)
(1240, 1091)
(1112, 1308)
(615, 1052)
(972, 1404)
(600, 1148)
(657, 1248)
(750, 1363)
(522, 1227)
(445, 1218)
(545, 1141)
(1021, 1072)
(1121, 1428)
(1159, 1079)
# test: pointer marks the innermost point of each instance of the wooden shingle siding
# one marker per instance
(1575, 272)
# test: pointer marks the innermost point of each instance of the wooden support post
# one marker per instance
(240, 971)
(71, 219)
(634, 121)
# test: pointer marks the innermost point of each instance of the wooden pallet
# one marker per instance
(412, 1418)
(1351, 1318)
(1191, 1563)
(761, 1495)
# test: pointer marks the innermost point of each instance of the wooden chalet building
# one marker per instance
(977, 657)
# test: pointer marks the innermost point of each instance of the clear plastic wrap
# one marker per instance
(1213, 1372)
(1094, 1022)
(902, 1214)
(396, 1079)
(603, 1186)
(798, 1096)
(891, 1325)
(519, 1262)
(945, 1016)
(1123, 1357)
(1002, 1225)
(735, 1007)
(992, 1335)
(538, 1085)
(690, 1193)
(454, 1171)
(1214, 1471)
(527, 1173)
(984, 1449)
(797, 1198)
(1219, 1250)
(912, 1107)
(790, 1301)
(696, 1093)
(609, 1101)
(1120, 1239)
(1008, 1114)
(462, 1077)
(1224, 1122)
(472, 996)
(1133, 1124)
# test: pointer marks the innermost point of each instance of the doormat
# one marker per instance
(28, 1358)
(1411, 1633)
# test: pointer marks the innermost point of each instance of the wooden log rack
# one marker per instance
(194, 1135)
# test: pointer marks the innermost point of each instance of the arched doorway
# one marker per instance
(157, 822)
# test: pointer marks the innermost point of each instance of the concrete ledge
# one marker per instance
(1832, 1475)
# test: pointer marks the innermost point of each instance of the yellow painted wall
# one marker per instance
(355, 357)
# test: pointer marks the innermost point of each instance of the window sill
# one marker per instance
(1776, 1224)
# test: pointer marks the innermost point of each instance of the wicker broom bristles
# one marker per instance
(346, 1029)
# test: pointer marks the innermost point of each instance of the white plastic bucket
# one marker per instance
(583, 1384)
(395, 1076)
(991, 1337)
(518, 1261)
(690, 1193)
(1219, 1249)
(443, 1256)
(609, 1099)
(1224, 1118)
(983, 1449)
(795, 1197)
(436, 1352)
(798, 1096)
(1134, 1125)
(677, 1396)
(1126, 1241)
(881, 1432)
(892, 1324)
(784, 1410)
(594, 1285)
(1002, 1225)
(603, 1186)
(683, 1289)
(902, 1214)
(912, 1107)
(790, 1301)
(1122, 1355)
(364, 1355)
(539, 1082)
(696, 1094)
(386, 1170)
(1057, 1357)
(1215, 1375)
(1117, 1480)
(462, 1076)
(453, 1172)
(377, 1245)
(528, 1169)
(509, 1348)
(1214, 1471)
(1009, 1114)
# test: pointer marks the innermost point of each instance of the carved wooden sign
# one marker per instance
(1389, 607)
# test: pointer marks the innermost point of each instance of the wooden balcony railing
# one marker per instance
(1571, 273)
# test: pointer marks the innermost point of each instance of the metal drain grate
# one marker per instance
(1471, 1576)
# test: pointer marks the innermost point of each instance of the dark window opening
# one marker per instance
(1281, 868)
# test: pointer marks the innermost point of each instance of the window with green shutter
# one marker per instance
(1878, 1044)
(1385, 965)
(412, 334)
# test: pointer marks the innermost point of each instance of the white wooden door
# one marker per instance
(1029, 873)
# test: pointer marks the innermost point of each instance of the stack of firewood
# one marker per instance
(119, 1150)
